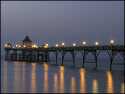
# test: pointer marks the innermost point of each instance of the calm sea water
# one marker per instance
(47, 77)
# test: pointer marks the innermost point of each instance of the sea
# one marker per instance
(47, 77)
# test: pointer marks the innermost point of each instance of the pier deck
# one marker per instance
(42, 54)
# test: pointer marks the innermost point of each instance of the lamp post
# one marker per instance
(34, 46)
(112, 42)
(57, 45)
(63, 44)
(74, 44)
(46, 45)
(18, 46)
(84, 43)
(96, 43)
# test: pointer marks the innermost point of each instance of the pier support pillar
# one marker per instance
(83, 59)
(73, 57)
(46, 57)
(37, 56)
(111, 60)
(56, 56)
(96, 58)
(6, 54)
(23, 56)
(62, 59)
(112, 54)
(15, 55)
(42, 57)
(63, 54)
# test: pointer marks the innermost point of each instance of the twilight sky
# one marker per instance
(68, 21)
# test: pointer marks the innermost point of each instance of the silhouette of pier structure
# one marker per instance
(28, 51)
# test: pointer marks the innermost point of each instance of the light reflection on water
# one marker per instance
(33, 77)
(73, 85)
(82, 81)
(61, 84)
(110, 85)
(122, 88)
(95, 86)
(23, 76)
(16, 77)
(5, 77)
(45, 77)
(55, 83)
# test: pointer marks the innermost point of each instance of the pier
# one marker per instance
(34, 53)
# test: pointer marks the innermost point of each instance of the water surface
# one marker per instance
(44, 77)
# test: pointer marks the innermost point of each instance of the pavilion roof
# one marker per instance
(27, 39)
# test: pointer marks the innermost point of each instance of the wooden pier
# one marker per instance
(42, 54)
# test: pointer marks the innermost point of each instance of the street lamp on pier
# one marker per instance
(96, 43)
(57, 45)
(63, 44)
(84, 43)
(74, 44)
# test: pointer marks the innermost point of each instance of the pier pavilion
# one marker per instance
(24, 51)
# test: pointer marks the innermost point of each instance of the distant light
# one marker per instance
(96, 43)
(112, 41)
(84, 43)
(18, 46)
(24, 46)
(34, 46)
(7, 45)
(74, 44)
(62, 68)
(57, 45)
(63, 44)
(46, 45)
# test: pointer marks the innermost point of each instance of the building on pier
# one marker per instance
(24, 51)
(8, 45)
(26, 43)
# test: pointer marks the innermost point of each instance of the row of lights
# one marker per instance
(57, 45)
(24, 46)
(84, 43)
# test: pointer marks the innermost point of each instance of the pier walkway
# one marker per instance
(42, 54)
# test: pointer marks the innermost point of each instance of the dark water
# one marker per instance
(38, 77)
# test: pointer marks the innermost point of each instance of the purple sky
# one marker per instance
(68, 21)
